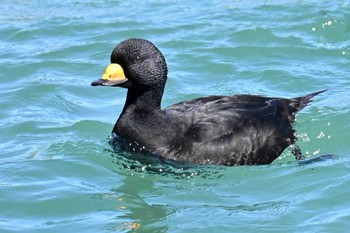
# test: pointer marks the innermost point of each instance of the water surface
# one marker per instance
(58, 172)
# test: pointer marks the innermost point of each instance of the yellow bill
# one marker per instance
(112, 76)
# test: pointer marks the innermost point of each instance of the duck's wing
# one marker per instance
(230, 130)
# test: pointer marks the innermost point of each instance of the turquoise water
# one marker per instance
(58, 173)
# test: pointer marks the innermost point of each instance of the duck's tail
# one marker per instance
(302, 102)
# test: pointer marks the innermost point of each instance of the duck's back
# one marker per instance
(233, 130)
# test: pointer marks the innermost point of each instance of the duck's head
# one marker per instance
(135, 63)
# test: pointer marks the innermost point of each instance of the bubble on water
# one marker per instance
(321, 135)
(316, 152)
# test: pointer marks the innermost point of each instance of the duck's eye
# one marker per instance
(137, 58)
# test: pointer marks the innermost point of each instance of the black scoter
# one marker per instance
(226, 130)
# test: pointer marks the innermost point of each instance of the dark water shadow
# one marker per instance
(318, 159)
(133, 158)
(145, 162)
(136, 162)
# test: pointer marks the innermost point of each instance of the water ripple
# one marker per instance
(58, 170)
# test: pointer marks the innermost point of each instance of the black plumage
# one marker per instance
(227, 130)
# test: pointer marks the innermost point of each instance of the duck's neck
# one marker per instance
(140, 105)
(143, 100)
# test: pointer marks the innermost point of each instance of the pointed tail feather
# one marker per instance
(302, 102)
